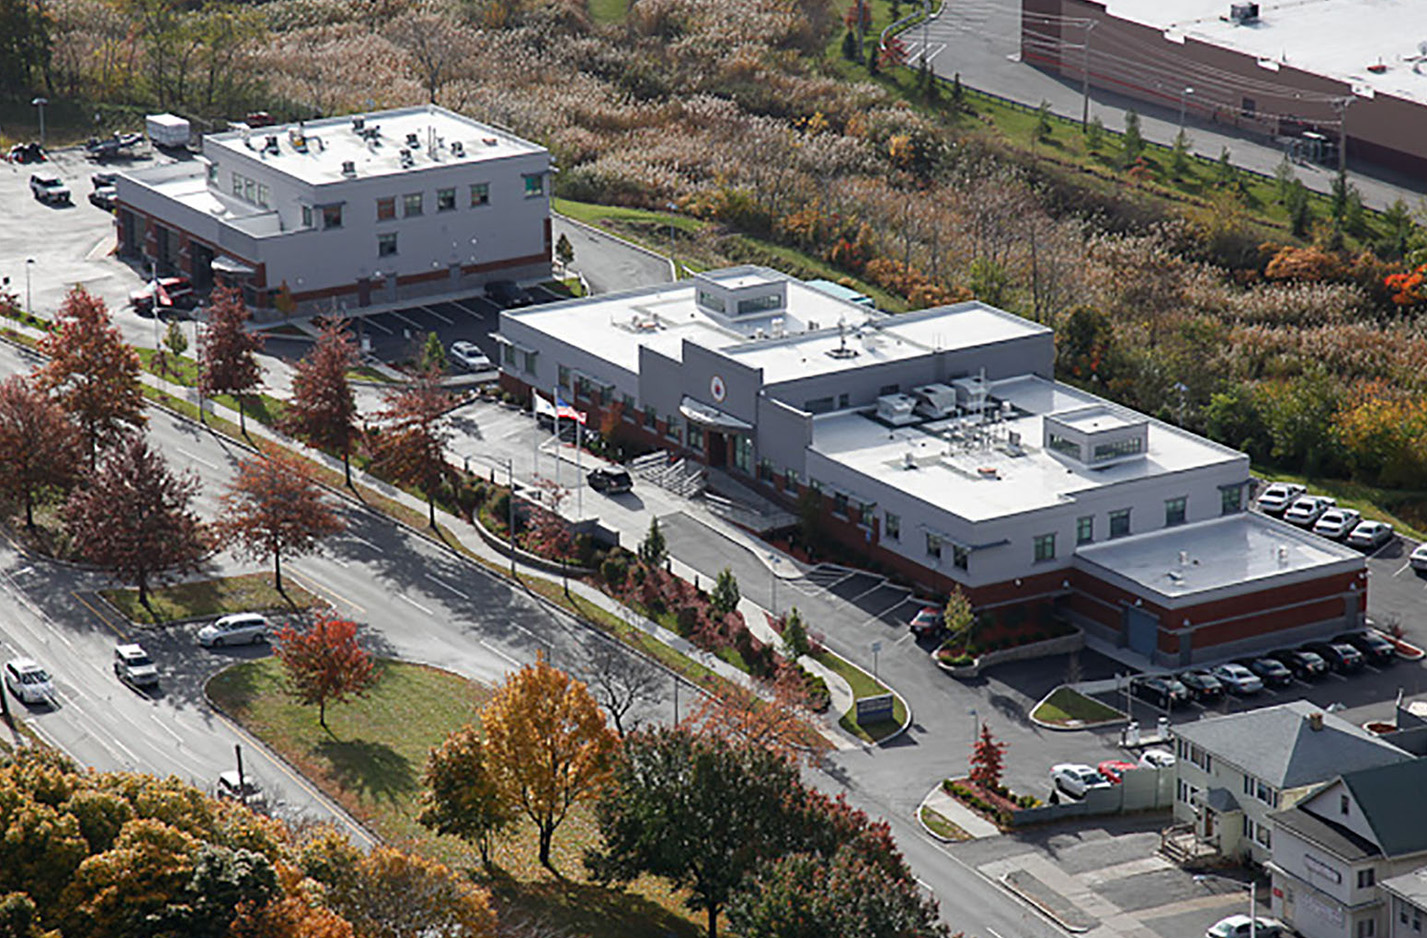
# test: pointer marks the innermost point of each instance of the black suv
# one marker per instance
(508, 293)
(1272, 672)
(1202, 685)
(1376, 649)
(610, 481)
(1161, 690)
(1305, 665)
(1340, 656)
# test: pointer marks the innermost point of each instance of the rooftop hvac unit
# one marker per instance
(349, 168)
(458, 148)
(413, 141)
(406, 159)
(271, 143)
(1242, 13)
(777, 325)
(358, 123)
(897, 409)
(935, 400)
(909, 460)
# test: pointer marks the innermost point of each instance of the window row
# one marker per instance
(250, 191)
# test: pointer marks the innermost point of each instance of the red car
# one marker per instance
(177, 290)
(1114, 770)
(928, 622)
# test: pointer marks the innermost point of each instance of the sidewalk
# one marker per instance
(959, 814)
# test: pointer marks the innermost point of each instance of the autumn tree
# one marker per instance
(324, 663)
(777, 720)
(699, 811)
(227, 359)
(988, 758)
(462, 798)
(92, 373)
(275, 508)
(40, 450)
(322, 409)
(959, 618)
(135, 518)
(410, 446)
(620, 680)
(547, 745)
(392, 894)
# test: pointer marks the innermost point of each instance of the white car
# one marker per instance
(468, 355)
(1419, 557)
(235, 629)
(28, 681)
(1075, 779)
(1157, 759)
(1238, 926)
(247, 792)
(1370, 535)
(134, 666)
(1278, 496)
(1306, 511)
(1237, 678)
(1337, 523)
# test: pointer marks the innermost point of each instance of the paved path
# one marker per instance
(960, 815)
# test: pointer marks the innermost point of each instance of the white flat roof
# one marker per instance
(608, 327)
(951, 474)
(1335, 38)
(1098, 418)
(332, 141)
(187, 184)
(1237, 551)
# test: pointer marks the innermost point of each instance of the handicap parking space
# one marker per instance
(852, 588)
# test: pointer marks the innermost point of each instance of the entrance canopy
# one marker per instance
(699, 412)
(232, 267)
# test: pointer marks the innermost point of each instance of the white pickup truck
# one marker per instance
(49, 189)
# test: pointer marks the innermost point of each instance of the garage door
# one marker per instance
(1141, 631)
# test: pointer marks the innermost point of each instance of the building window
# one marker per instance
(480, 194)
(1118, 448)
(1120, 522)
(331, 216)
(1366, 878)
(509, 354)
(1366, 927)
(960, 557)
(844, 401)
(887, 389)
(307, 216)
(1343, 803)
(1085, 529)
(386, 208)
(1045, 547)
(212, 174)
(445, 200)
(628, 408)
(238, 185)
(791, 479)
(562, 376)
(892, 525)
(263, 194)
(839, 504)
(411, 204)
(765, 470)
(1231, 500)
(934, 545)
(710, 301)
(1174, 511)
(868, 512)
(651, 418)
(673, 432)
(818, 405)
(759, 304)
(1264, 835)
(1063, 445)
(534, 184)
(386, 244)
(696, 437)
(530, 362)
(250, 190)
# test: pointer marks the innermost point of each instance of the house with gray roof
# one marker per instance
(1333, 851)
(1235, 771)
(1406, 898)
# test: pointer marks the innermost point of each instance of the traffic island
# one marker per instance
(1067, 709)
(210, 598)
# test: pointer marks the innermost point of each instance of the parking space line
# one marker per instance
(410, 322)
(852, 601)
(429, 311)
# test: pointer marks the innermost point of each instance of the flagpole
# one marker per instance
(556, 398)
(535, 437)
(579, 474)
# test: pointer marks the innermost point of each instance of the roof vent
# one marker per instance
(489, 141)
(458, 148)
(349, 168)
(358, 123)
(909, 461)
(1243, 13)
(1315, 721)
(271, 144)
(406, 158)
(413, 141)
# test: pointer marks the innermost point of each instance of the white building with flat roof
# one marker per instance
(940, 445)
(346, 211)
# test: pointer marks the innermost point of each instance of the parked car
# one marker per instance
(29, 682)
(1114, 770)
(1273, 673)
(507, 293)
(1241, 926)
(1075, 779)
(132, 665)
(1370, 535)
(1305, 665)
(1306, 511)
(469, 356)
(1162, 690)
(1237, 679)
(1157, 759)
(179, 291)
(1337, 523)
(1375, 648)
(929, 622)
(103, 180)
(48, 189)
(1418, 558)
(1340, 656)
(1278, 496)
(27, 153)
(615, 481)
(235, 629)
(247, 791)
(1202, 685)
(104, 198)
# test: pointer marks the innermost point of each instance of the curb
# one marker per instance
(931, 833)
(1005, 881)
(1059, 728)
(890, 689)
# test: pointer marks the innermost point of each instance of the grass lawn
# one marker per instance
(940, 825)
(372, 763)
(252, 592)
(608, 11)
(863, 685)
(1066, 707)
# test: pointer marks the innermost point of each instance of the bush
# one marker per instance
(614, 570)
(687, 621)
(819, 697)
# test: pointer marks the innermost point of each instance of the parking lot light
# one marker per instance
(1253, 887)
(29, 309)
(40, 103)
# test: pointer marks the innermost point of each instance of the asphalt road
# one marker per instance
(608, 263)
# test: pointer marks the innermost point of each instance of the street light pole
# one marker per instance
(1203, 879)
(510, 470)
(1182, 96)
(40, 103)
(1085, 76)
(29, 309)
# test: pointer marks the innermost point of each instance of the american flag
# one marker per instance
(566, 412)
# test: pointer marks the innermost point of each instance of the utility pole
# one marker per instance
(1085, 75)
(1341, 105)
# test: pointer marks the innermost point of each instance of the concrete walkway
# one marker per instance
(959, 814)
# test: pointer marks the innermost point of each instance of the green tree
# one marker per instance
(958, 93)
(1132, 143)
(795, 634)
(653, 550)
(1179, 155)
(1300, 213)
(989, 281)
(1299, 414)
(1397, 220)
(1095, 133)
(564, 251)
(462, 798)
(433, 354)
(725, 595)
(1043, 124)
(1232, 417)
(1283, 179)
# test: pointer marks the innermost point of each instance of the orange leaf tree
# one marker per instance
(547, 744)
(324, 663)
(411, 445)
(322, 410)
(227, 359)
(778, 721)
(40, 450)
(275, 507)
(92, 373)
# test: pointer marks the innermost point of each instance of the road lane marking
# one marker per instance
(198, 459)
(440, 582)
(101, 616)
(1403, 567)
(406, 598)
(363, 541)
(496, 651)
(315, 587)
(176, 738)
